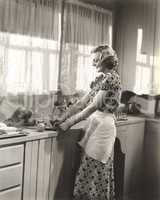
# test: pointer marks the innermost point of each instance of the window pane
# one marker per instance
(26, 64)
(143, 76)
(156, 86)
(52, 44)
(53, 71)
(38, 42)
(36, 72)
(84, 49)
(110, 35)
(85, 73)
(19, 40)
(15, 72)
(142, 58)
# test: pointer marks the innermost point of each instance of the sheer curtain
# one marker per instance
(29, 46)
(84, 28)
(31, 60)
(156, 54)
(151, 42)
(29, 54)
(137, 43)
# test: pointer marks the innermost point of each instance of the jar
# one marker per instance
(40, 126)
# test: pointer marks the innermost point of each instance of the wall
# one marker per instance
(128, 18)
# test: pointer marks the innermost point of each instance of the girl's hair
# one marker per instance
(109, 58)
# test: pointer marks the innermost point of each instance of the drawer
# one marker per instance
(10, 176)
(11, 155)
(12, 194)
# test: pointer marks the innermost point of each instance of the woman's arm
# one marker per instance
(77, 107)
(86, 112)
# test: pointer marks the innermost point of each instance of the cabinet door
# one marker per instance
(134, 159)
(11, 194)
(64, 164)
(120, 150)
(131, 138)
(50, 168)
(11, 172)
(37, 170)
(152, 160)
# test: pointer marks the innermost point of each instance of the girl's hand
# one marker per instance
(63, 126)
(56, 123)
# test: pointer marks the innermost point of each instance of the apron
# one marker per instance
(99, 138)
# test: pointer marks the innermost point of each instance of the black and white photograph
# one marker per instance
(79, 99)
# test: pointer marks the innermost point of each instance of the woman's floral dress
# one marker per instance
(95, 179)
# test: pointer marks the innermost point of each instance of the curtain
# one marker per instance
(30, 49)
(30, 17)
(28, 64)
(28, 72)
(137, 41)
(84, 28)
(156, 53)
(151, 42)
(29, 46)
(29, 54)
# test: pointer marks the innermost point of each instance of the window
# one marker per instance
(30, 63)
(143, 68)
(86, 73)
(84, 29)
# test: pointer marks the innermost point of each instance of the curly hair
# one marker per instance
(109, 57)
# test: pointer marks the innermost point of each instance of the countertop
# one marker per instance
(35, 135)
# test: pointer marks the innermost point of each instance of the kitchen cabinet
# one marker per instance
(43, 165)
(11, 172)
(152, 160)
(50, 167)
(38, 155)
(129, 162)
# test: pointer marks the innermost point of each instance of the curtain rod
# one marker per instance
(92, 7)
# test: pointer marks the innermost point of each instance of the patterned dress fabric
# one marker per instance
(109, 82)
(94, 180)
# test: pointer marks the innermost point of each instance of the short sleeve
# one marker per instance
(111, 84)
(108, 82)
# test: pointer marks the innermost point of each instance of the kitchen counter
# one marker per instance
(156, 120)
(43, 166)
(130, 120)
(35, 135)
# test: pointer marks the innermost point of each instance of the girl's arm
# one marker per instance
(86, 112)
(76, 108)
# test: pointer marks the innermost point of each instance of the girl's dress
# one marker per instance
(95, 178)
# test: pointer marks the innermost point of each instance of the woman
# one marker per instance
(94, 179)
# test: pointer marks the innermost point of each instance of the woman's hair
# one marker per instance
(109, 57)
